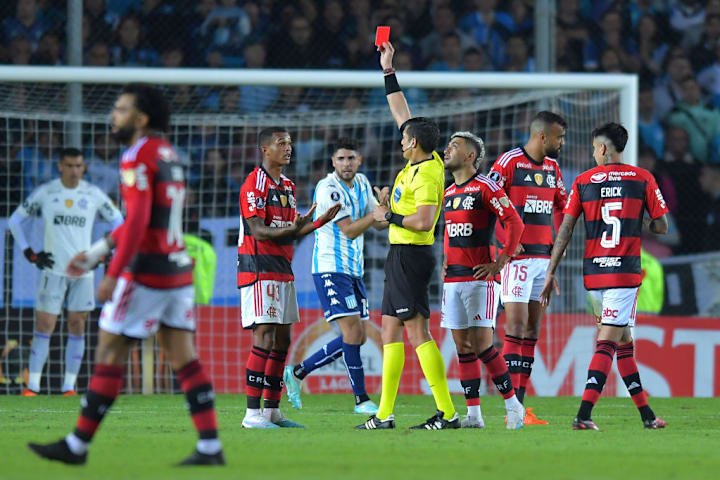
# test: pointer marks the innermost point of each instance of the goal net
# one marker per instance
(215, 122)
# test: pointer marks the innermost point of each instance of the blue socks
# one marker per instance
(355, 370)
(329, 352)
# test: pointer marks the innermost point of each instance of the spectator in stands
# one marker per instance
(155, 18)
(48, 51)
(481, 26)
(443, 22)
(637, 9)
(129, 49)
(610, 61)
(225, 29)
(39, 161)
(709, 78)
(419, 16)
(710, 184)
(450, 59)
(571, 24)
(651, 47)
(172, 57)
(294, 48)
(102, 22)
(98, 55)
(290, 99)
(703, 54)
(516, 20)
(687, 18)
(27, 23)
(648, 160)
(651, 131)
(334, 35)
(691, 114)
(254, 98)
(610, 34)
(259, 23)
(517, 58)
(217, 193)
(668, 89)
(475, 60)
(103, 164)
(680, 165)
(567, 58)
(20, 51)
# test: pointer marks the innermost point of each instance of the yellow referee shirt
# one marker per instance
(417, 184)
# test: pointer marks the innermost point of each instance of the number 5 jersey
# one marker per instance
(614, 198)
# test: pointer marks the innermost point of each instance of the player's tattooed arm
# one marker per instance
(266, 232)
(558, 250)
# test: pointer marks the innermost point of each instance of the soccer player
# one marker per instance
(531, 177)
(413, 210)
(613, 197)
(469, 304)
(148, 285)
(337, 269)
(68, 206)
(268, 227)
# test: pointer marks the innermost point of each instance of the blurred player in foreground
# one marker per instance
(613, 198)
(337, 268)
(68, 207)
(269, 226)
(469, 304)
(148, 285)
(413, 210)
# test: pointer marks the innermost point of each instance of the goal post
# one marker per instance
(216, 118)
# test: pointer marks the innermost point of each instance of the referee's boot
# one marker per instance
(374, 423)
(437, 422)
(198, 458)
(58, 451)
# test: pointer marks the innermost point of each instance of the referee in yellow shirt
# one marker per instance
(414, 208)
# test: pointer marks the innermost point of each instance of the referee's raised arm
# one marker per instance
(395, 97)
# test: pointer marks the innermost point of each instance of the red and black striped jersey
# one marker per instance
(274, 204)
(150, 246)
(537, 191)
(613, 199)
(469, 211)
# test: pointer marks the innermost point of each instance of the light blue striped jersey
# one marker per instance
(334, 251)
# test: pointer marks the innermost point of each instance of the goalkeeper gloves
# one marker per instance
(41, 260)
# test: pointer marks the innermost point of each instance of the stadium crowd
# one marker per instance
(673, 45)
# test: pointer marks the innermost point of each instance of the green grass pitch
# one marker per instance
(145, 435)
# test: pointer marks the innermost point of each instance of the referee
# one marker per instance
(412, 208)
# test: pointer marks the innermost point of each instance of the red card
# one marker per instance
(382, 35)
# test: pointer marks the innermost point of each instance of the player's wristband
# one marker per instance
(391, 84)
(318, 223)
(93, 255)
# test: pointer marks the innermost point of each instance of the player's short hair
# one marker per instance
(425, 131)
(266, 134)
(614, 133)
(476, 143)
(150, 101)
(70, 152)
(543, 119)
(345, 142)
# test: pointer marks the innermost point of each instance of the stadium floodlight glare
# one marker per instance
(216, 115)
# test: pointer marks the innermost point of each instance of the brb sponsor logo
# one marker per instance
(459, 229)
(538, 206)
(69, 220)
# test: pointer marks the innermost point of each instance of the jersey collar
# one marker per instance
(271, 178)
(527, 155)
(468, 180)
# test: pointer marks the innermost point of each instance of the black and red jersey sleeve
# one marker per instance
(253, 195)
(561, 195)
(654, 200)
(502, 175)
(573, 205)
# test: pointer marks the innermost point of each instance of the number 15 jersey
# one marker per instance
(614, 198)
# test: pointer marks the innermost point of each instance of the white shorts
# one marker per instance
(269, 301)
(53, 288)
(522, 280)
(137, 311)
(469, 304)
(615, 306)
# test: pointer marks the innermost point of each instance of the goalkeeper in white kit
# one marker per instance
(68, 206)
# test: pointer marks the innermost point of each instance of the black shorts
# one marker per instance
(408, 271)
